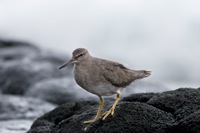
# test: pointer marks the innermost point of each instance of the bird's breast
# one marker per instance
(91, 80)
(82, 76)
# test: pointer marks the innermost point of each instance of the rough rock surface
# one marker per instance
(129, 117)
(140, 97)
(189, 124)
(144, 114)
(186, 111)
(171, 101)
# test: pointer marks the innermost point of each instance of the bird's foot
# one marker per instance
(107, 113)
(89, 121)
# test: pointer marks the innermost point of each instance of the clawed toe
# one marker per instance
(89, 121)
(104, 113)
(107, 113)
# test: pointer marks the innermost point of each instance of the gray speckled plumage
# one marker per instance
(100, 76)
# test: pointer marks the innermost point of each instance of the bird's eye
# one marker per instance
(81, 55)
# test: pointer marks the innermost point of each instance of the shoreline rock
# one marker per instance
(138, 115)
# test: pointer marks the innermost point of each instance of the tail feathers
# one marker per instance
(143, 74)
(147, 73)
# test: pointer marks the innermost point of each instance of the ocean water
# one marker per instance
(161, 36)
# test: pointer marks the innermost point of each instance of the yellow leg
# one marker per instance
(98, 112)
(112, 109)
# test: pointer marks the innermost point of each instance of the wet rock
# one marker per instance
(171, 101)
(59, 91)
(129, 117)
(15, 107)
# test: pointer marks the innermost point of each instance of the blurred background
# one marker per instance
(158, 35)
(161, 36)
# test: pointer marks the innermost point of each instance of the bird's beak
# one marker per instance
(72, 61)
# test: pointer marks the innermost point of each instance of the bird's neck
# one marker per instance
(83, 64)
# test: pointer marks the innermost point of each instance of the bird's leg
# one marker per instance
(98, 112)
(112, 109)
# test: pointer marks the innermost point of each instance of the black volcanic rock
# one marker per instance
(180, 113)
(171, 101)
(49, 122)
(189, 124)
(140, 97)
(135, 117)
(129, 117)
(185, 111)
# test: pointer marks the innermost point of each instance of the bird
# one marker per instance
(102, 77)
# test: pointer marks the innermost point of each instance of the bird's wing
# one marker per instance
(117, 74)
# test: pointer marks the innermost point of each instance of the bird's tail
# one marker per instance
(142, 73)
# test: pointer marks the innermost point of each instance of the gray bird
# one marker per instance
(102, 77)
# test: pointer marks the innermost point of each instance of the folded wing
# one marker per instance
(118, 75)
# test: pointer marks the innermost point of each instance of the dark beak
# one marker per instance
(67, 63)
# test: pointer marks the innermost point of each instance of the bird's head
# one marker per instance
(79, 55)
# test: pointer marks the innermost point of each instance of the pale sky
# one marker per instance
(160, 35)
